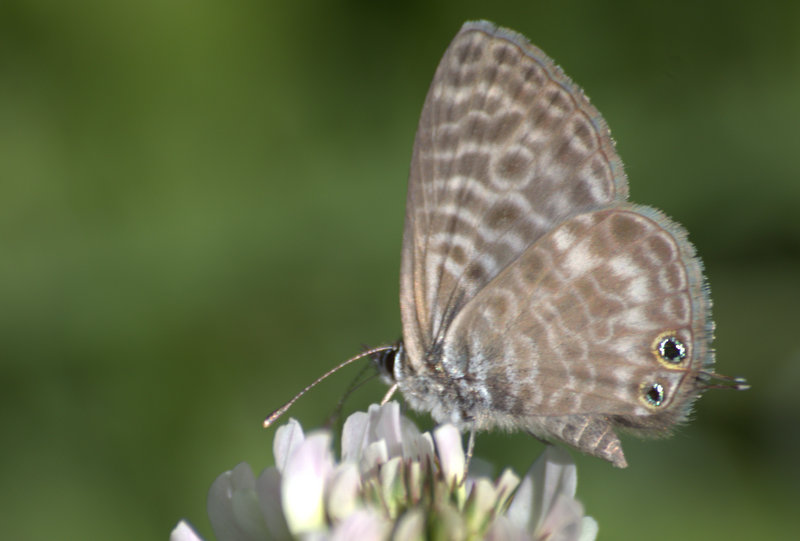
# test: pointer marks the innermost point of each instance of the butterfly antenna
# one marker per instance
(280, 411)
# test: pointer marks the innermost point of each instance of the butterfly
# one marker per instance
(533, 295)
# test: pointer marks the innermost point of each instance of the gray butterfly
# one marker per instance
(533, 295)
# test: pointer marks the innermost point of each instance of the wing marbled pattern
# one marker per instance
(563, 343)
(507, 147)
(533, 295)
(584, 306)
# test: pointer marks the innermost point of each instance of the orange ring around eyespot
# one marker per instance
(655, 349)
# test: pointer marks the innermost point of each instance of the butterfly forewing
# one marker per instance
(507, 147)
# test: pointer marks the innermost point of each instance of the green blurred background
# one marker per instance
(201, 208)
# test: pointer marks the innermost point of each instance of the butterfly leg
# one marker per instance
(389, 394)
(470, 448)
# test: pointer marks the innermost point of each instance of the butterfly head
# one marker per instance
(386, 360)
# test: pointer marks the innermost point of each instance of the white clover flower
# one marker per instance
(392, 482)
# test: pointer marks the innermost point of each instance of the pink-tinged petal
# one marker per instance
(563, 520)
(487, 499)
(411, 526)
(447, 523)
(362, 525)
(355, 436)
(544, 503)
(287, 438)
(184, 532)
(520, 512)
(342, 491)
(560, 474)
(385, 425)
(417, 446)
(373, 456)
(480, 503)
(233, 506)
(409, 429)
(552, 474)
(303, 484)
(505, 486)
(503, 529)
(268, 489)
(589, 529)
(416, 482)
(451, 453)
(393, 486)
(381, 423)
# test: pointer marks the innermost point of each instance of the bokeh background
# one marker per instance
(201, 208)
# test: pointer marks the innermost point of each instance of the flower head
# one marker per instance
(393, 482)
